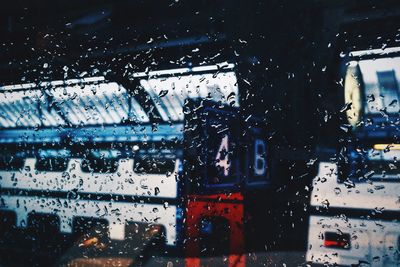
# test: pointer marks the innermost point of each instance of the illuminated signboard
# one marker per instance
(223, 150)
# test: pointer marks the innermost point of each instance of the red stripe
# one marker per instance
(332, 243)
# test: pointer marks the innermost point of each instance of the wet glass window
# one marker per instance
(10, 162)
(203, 133)
(101, 161)
(52, 160)
(155, 162)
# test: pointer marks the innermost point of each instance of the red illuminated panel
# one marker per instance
(229, 207)
(336, 240)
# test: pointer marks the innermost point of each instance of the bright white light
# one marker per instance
(52, 83)
(379, 51)
(211, 68)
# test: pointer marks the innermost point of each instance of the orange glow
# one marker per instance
(89, 242)
(385, 146)
(94, 262)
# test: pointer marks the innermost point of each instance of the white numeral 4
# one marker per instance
(222, 158)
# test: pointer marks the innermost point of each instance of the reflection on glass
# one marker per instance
(352, 93)
(372, 87)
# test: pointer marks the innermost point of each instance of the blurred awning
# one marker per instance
(168, 94)
(73, 103)
(98, 110)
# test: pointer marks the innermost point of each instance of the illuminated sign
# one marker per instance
(223, 150)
